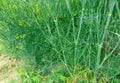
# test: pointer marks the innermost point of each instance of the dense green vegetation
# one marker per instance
(65, 41)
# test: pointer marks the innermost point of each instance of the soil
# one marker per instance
(8, 73)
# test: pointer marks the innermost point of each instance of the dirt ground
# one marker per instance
(8, 73)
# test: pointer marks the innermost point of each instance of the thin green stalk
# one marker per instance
(80, 23)
(104, 34)
(74, 33)
(59, 35)
(118, 9)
